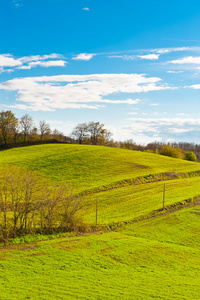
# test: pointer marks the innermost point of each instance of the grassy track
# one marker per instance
(154, 259)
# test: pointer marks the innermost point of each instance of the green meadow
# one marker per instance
(128, 203)
(140, 254)
(153, 259)
(88, 167)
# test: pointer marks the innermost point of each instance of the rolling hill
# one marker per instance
(145, 254)
(89, 167)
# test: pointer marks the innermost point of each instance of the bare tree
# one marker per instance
(44, 129)
(16, 195)
(80, 132)
(4, 201)
(70, 205)
(29, 189)
(129, 144)
(57, 135)
(51, 198)
(15, 130)
(26, 123)
(34, 133)
(98, 133)
(28, 204)
(41, 206)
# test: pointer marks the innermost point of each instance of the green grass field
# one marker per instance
(157, 258)
(154, 259)
(130, 202)
(87, 167)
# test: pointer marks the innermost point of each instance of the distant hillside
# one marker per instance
(87, 167)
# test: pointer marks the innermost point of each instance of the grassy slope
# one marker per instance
(87, 167)
(126, 203)
(154, 259)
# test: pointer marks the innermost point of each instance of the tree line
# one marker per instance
(15, 132)
(31, 204)
(181, 150)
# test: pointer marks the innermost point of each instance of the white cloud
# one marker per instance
(47, 64)
(195, 86)
(134, 57)
(153, 53)
(174, 72)
(127, 101)
(178, 129)
(175, 49)
(24, 67)
(7, 60)
(162, 51)
(44, 107)
(149, 56)
(26, 59)
(76, 91)
(84, 56)
(154, 114)
(154, 104)
(124, 57)
(186, 60)
(3, 70)
(27, 62)
(85, 8)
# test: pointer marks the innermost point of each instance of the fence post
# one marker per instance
(96, 209)
(164, 197)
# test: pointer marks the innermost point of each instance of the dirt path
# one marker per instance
(150, 178)
(168, 210)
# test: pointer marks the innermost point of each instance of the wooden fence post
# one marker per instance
(164, 197)
(96, 209)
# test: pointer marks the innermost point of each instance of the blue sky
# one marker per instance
(132, 65)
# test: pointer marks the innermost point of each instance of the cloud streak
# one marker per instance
(149, 56)
(27, 62)
(186, 60)
(47, 64)
(134, 57)
(84, 56)
(162, 129)
(79, 91)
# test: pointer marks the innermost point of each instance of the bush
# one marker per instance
(190, 156)
(172, 152)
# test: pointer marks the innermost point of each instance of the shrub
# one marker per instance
(190, 156)
(168, 150)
